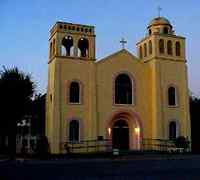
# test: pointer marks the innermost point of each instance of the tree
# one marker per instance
(195, 123)
(16, 91)
(38, 115)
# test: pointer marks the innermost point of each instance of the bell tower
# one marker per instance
(69, 40)
(71, 61)
(161, 42)
(163, 52)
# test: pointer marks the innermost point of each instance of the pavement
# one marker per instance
(137, 167)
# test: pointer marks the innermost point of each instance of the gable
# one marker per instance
(121, 61)
(122, 55)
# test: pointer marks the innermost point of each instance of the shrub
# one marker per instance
(181, 142)
(42, 148)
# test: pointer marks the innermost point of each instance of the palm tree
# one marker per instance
(16, 92)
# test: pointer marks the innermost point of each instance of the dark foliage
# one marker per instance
(42, 149)
(181, 142)
(38, 115)
(16, 91)
(195, 123)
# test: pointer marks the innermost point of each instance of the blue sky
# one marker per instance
(25, 24)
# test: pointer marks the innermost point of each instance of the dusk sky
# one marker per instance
(25, 25)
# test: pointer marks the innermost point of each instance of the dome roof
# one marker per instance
(159, 21)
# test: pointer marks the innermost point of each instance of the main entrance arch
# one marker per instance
(124, 129)
(120, 135)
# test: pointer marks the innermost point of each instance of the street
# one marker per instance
(137, 168)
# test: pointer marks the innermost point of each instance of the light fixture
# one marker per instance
(109, 131)
(137, 130)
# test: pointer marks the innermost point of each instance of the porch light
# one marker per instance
(109, 131)
(137, 130)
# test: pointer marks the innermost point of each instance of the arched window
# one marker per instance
(172, 130)
(178, 49)
(150, 47)
(171, 96)
(74, 92)
(123, 89)
(74, 130)
(50, 53)
(83, 47)
(141, 55)
(165, 30)
(150, 31)
(67, 46)
(145, 49)
(54, 47)
(169, 47)
(161, 46)
(51, 98)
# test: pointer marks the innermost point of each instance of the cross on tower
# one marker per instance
(123, 42)
(159, 11)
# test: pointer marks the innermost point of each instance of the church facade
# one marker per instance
(122, 97)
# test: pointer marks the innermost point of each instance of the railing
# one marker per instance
(162, 145)
(26, 143)
(88, 146)
(158, 145)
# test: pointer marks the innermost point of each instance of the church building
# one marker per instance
(123, 98)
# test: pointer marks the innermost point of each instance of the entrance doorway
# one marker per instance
(120, 135)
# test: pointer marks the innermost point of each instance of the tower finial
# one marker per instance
(159, 11)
